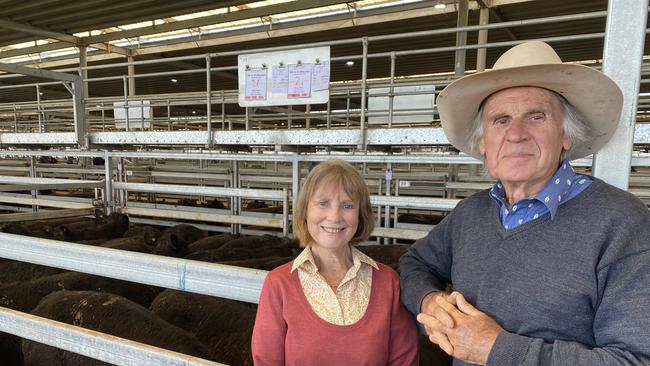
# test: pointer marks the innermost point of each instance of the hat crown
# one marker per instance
(527, 54)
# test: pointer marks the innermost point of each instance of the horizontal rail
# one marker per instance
(442, 204)
(104, 347)
(41, 186)
(44, 202)
(44, 215)
(264, 194)
(199, 216)
(399, 233)
(219, 280)
(424, 136)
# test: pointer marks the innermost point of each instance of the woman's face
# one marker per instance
(332, 217)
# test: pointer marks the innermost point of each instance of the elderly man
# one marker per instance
(548, 267)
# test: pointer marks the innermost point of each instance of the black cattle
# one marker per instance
(225, 326)
(255, 204)
(14, 271)
(174, 242)
(215, 203)
(111, 314)
(114, 226)
(25, 297)
(211, 242)
(149, 233)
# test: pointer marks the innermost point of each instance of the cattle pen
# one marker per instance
(139, 109)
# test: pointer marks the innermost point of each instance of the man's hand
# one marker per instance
(432, 311)
(470, 333)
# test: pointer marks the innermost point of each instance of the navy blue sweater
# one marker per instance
(574, 290)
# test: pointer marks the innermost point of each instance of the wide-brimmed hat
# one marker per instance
(534, 63)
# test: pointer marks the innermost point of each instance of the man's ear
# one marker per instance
(566, 143)
(481, 148)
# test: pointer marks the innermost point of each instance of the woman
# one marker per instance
(333, 305)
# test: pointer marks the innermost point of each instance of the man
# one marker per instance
(549, 267)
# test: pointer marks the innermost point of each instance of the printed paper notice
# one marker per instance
(255, 84)
(279, 79)
(320, 79)
(299, 81)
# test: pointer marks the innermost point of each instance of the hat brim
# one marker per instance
(591, 92)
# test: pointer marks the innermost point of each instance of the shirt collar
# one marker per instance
(306, 260)
(555, 191)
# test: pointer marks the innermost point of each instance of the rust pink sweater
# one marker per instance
(288, 332)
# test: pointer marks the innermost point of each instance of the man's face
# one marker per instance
(523, 136)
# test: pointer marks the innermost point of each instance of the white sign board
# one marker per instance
(299, 76)
(140, 114)
(421, 99)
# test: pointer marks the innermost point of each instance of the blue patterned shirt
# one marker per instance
(564, 185)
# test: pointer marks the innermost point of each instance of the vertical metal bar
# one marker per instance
(391, 95)
(329, 113)
(481, 53)
(130, 70)
(307, 119)
(38, 108)
(83, 72)
(121, 176)
(223, 110)
(79, 112)
(142, 113)
(15, 119)
(364, 75)
(295, 178)
(387, 208)
(347, 113)
(32, 173)
(379, 208)
(169, 116)
(235, 204)
(459, 71)
(622, 58)
(247, 120)
(289, 116)
(461, 38)
(395, 208)
(285, 212)
(208, 97)
(103, 117)
(126, 102)
(108, 176)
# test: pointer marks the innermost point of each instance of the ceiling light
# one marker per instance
(440, 6)
(174, 81)
(193, 112)
(349, 63)
(98, 106)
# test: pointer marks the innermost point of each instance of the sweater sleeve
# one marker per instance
(621, 326)
(426, 266)
(270, 329)
(403, 348)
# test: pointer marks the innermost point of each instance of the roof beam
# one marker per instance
(63, 37)
(42, 32)
(398, 13)
(41, 73)
(214, 19)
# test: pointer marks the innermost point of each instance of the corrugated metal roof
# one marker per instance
(76, 17)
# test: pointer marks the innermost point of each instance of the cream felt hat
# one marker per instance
(534, 63)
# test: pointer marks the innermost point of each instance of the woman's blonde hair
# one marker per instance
(338, 173)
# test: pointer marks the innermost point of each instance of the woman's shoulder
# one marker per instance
(386, 273)
(282, 271)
